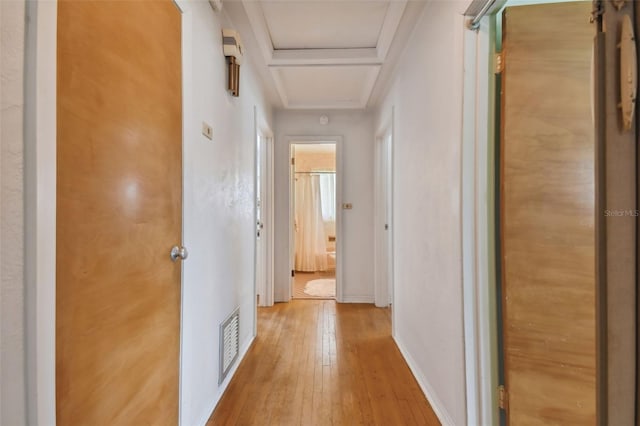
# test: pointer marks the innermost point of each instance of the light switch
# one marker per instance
(347, 206)
(207, 130)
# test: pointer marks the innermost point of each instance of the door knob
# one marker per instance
(179, 253)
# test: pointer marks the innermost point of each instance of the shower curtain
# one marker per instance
(310, 239)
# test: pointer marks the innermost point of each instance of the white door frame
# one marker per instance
(299, 140)
(40, 210)
(265, 135)
(384, 288)
(478, 242)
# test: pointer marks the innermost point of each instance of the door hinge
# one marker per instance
(293, 161)
(499, 62)
(293, 273)
(503, 398)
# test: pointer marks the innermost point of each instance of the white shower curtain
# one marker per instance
(311, 246)
(328, 195)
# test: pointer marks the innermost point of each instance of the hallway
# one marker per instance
(315, 362)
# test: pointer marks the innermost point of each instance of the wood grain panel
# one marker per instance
(548, 197)
(317, 362)
(119, 212)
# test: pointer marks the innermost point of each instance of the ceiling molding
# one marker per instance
(298, 57)
(389, 28)
(260, 29)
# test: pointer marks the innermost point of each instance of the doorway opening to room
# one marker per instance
(314, 220)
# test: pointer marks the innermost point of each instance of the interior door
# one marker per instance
(292, 217)
(119, 202)
(261, 228)
(548, 206)
(388, 209)
(383, 223)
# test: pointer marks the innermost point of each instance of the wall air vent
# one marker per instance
(229, 344)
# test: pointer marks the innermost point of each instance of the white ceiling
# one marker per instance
(326, 25)
(324, 54)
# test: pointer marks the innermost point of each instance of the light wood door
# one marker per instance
(548, 205)
(119, 202)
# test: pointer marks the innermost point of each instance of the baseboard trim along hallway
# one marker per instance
(434, 401)
(224, 385)
(318, 362)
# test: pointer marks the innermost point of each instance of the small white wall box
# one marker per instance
(216, 5)
(233, 50)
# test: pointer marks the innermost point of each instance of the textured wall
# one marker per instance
(218, 219)
(427, 95)
(12, 343)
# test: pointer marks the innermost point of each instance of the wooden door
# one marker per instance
(548, 205)
(119, 202)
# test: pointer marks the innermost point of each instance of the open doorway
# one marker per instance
(314, 215)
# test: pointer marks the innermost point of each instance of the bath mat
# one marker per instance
(321, 288)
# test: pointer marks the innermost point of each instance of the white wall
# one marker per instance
(12, 338)
(218, 218)
(356, 129)
(427, 95)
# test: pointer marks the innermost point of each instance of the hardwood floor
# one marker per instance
(316, 362)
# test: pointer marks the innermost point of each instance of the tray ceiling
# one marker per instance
(327, 25)
(324, 54)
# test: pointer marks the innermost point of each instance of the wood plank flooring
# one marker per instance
(316, 362)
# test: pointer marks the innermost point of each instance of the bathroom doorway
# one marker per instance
(314, 213)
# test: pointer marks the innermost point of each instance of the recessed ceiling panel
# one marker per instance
(324, 25)
(323, 86)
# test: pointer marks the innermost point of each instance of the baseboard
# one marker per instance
(227, 380)
(357, 299)
(428, 391)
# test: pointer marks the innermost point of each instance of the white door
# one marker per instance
(388, 199)
(384, 264)
(261, 221)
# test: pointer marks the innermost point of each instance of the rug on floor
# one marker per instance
(321, 288)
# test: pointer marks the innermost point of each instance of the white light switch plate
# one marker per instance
(207, 130)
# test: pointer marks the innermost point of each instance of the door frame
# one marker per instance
(40, 171)
(384, 289)
(478, 225)
(300, 140)
(263, 132)
(40, 209)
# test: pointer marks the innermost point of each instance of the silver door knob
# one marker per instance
(178, 253)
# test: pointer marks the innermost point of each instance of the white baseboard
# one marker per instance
(227, 380)
(428, 391)
(357, 299)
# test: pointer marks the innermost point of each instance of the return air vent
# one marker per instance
(229, 343)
